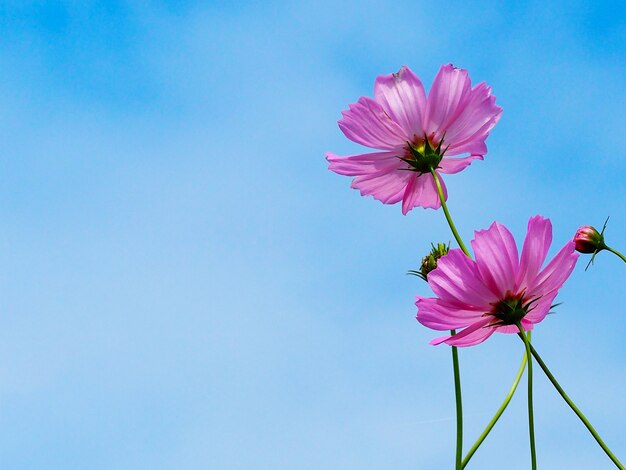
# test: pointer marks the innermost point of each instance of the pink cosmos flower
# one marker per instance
(415, 134)
(498, 289)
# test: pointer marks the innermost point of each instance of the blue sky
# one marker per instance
(185, 285)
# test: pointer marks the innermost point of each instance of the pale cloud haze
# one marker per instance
(185, 285)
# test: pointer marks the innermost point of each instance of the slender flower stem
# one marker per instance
(615, 252)
(448, 217)
(460, 464)
(496, 417)
(574, 408)
(459, 407)
(455, 354)
(531, 419)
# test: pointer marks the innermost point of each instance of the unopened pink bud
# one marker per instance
(588, 240)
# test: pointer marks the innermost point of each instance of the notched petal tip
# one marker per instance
(494, 226)
(450, 66)
(401, 71)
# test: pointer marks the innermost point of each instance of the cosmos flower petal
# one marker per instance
(513, 329)
(455, 165)
(496, 257)
(367, 123)
(474, 147)
(402, 96)
(445, 100)
(536, 245)
(478, 114)
(474, 334)
(387, 187)
(554, 275)
(377, 174)
(364, 164)
(441, 315)
(422, 191)
(456, 279)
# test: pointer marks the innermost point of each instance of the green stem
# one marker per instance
(531, 419)
(580, 415)
(460, 464)
(455, 354)
(459, 407)
(496, 417)
(448, 217)
(615, 252)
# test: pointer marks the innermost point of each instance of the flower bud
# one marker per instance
(588, 240)
(429, 262)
